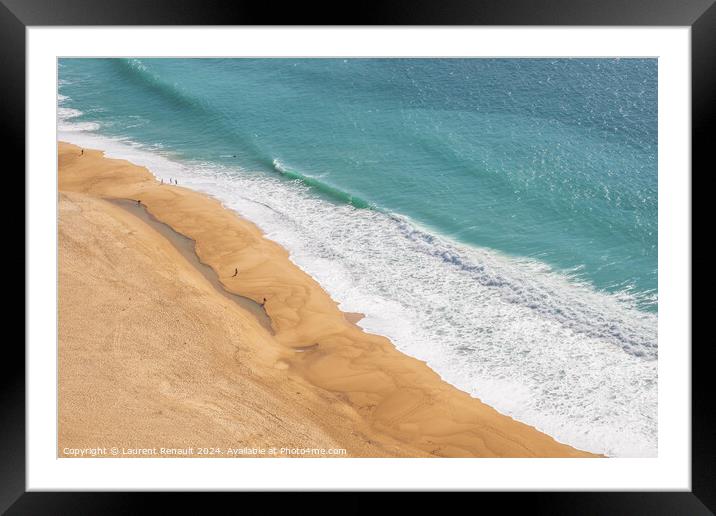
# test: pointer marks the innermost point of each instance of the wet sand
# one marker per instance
(186, 248)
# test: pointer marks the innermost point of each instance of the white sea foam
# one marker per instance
(578, 364)
(66, 116)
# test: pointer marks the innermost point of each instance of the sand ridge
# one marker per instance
(367, 396)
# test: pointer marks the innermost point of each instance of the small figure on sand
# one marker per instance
(139, 203)
(82, 151)
(264, 302)
(236, 271)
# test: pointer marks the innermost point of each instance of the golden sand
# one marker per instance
(151, 355)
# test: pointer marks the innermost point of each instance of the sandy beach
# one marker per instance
(163, 344)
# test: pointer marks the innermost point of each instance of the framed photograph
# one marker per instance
(417, 250)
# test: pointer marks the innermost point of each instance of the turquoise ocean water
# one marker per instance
(496, 218)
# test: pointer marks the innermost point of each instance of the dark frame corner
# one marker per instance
(700, 15)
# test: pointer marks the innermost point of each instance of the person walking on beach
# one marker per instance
(236, 271)
(264, 303)
(139, 203)
(82, 152)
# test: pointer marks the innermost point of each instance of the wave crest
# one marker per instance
(321, 187)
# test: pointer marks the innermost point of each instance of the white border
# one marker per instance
(671, 470)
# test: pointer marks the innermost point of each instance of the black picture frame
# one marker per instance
(17, 15)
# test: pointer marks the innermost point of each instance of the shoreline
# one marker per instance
(400, 401)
